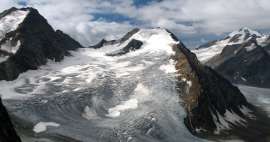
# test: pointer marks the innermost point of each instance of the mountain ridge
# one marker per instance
(35, 41)
(242, 57)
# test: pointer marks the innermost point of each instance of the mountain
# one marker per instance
(129, 90)
(145, 86)
(27, 41)
(202, 90)
(7, 132)
(242, 57)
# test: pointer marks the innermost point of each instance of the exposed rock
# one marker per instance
(7, 132)
(105, 42)
(131, 46)
(36, 41)
(244, 67)
(208, 95)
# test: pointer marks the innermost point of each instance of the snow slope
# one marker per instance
(9, 23)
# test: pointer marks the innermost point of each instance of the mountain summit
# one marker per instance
(242, 57)
(28, 41)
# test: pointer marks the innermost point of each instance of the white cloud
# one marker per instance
(184, 17)
(94, 31)
(5, 4)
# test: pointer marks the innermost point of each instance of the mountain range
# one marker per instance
(242, 57)
(145, 86)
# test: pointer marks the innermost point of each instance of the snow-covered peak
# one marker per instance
(11, 21)
(153, 40)
(159, 38)
(243, 35)
(245, 31)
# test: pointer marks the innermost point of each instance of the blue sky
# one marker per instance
(193, 21)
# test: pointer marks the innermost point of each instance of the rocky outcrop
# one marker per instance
(131, 46)
(7, 132)
(242, 66)
(207, 95)
(35, 41)
(105, 42)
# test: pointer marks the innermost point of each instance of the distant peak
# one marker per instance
(245, 31)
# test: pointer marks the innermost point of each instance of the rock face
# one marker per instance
(242, 57)
(7, 132)
(208, 97)
(131, 46)
(28, 41)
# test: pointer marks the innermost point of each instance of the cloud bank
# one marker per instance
(90, 20)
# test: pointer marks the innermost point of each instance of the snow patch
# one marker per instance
(169, 68)
(89, 113)
(9, 48)
(126, 105)
(247, 112)
(225, 122)
(3, 58)
(251, 47)
(42, 126)
(141, 90)
(244, 31)
(244, 79)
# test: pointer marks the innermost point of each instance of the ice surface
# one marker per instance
(257, 96)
